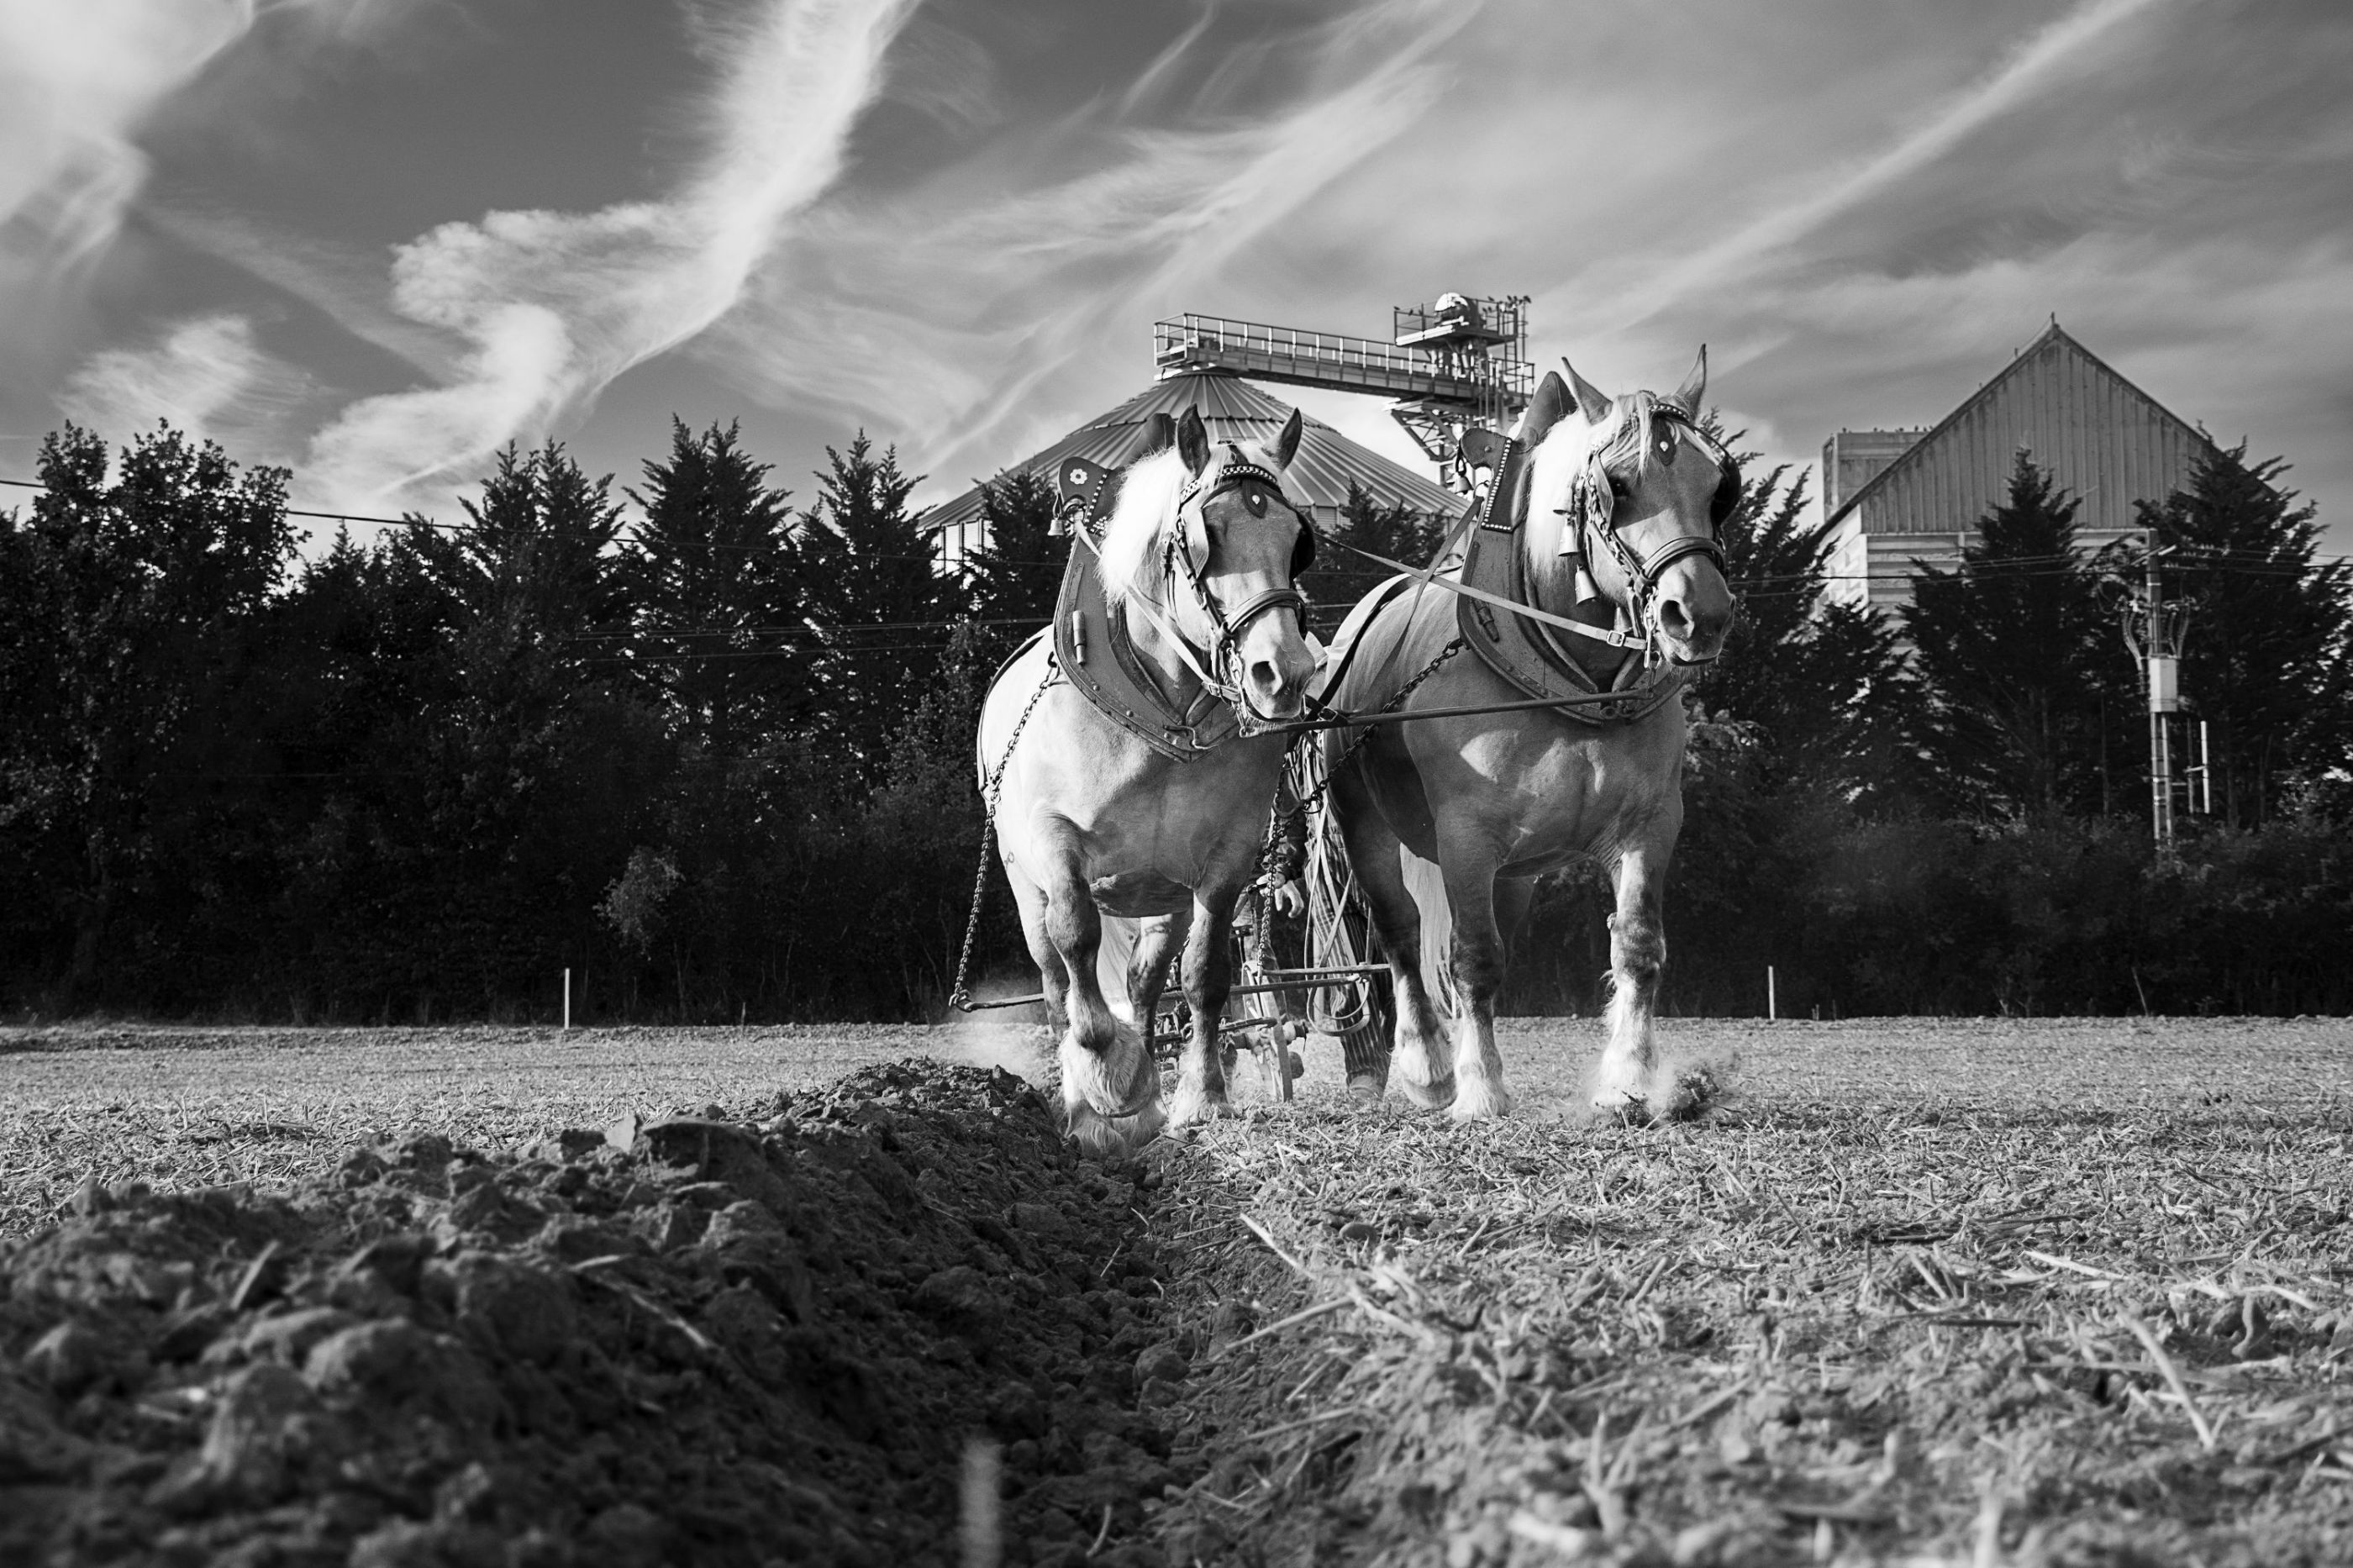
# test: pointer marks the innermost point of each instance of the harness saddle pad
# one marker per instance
(1523, 650)
(1330, 682)
(1092, 650)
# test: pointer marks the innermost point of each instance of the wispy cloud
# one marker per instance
(550, 307)
(78, 81)
(954, 310)
(207, 376)
(343, 282)
(2041, 62)
(75, 82)
(953, 224)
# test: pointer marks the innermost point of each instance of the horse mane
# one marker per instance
(1622, 445)
(1139, 521)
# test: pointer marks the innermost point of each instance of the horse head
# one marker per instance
(1242, 543)
(1629, 499)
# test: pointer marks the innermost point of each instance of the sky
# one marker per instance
(376, 241)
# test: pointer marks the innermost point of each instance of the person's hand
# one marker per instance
(1290, 899)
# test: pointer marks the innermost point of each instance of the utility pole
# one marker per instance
(2153, 631)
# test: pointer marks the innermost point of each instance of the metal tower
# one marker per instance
(2153, 630)
(1452, 365)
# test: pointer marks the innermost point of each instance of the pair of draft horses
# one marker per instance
(1618, 502)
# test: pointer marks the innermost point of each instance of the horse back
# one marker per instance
(1549, 786)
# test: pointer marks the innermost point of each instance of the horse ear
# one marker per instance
(1545, 410)
(1157, 434)
(1286, 444)
(1193, 441)
(1589, 397)
(1695, 386)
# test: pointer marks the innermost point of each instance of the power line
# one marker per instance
(2209, 558)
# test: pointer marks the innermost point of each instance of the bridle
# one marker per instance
(1229, 625)
(1591, 501)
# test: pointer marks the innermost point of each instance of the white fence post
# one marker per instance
(567, 1001)
(1772, 1000)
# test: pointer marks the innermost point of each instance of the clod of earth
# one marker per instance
(752, 1340)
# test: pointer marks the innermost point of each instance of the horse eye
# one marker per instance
(1256, 502)
(1617, 487)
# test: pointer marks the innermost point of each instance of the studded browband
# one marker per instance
(1235, 472)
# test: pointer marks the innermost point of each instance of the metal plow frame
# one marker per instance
(1335, 991)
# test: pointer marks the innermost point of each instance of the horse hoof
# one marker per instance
(1475, 1099)
(1118, 1082)
(1193, 1106)
(1135, 1131)
(1114, 1137)
(1619, 1105)
(1365, 1091)
(1094, 1135)
(1434, 1096)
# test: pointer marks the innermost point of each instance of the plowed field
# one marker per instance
(1971, 1292)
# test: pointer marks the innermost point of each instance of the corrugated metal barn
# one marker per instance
(1234, 410)
(1894, 497)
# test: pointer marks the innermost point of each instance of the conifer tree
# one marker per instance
(1823, 681)
(537, 570)
(2030, 697)
(722, 639)
(1015, 576)
(2263, 661)
(1340, 577)
(881, 605)
(541, 600)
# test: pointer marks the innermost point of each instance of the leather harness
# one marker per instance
(1494, 613)
(1095, 649)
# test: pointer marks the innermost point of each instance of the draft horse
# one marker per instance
(1619, 504)
(1199, 560)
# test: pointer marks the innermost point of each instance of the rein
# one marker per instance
(1429, 576)
(1590, 500)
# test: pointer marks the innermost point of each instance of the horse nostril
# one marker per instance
(1673, 618)
(1264, 675)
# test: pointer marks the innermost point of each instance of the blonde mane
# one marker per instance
(1139, 522)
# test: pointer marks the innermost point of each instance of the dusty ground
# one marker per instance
(1969, 1292)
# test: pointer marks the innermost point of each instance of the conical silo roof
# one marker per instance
(1234, 410)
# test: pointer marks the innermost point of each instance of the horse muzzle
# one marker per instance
(1691, 611)
(1275, 692)
(1274, 663)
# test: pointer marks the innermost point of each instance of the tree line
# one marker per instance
(708, 746)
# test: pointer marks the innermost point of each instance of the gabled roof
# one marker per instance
(1234, 410)
(2102, 438)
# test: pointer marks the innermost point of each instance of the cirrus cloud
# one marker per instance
(553, 306)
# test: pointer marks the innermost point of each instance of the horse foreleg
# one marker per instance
(1208, 979)
(1638, 953)
(1475, 962)
(1162, 938)
(1418, 1057)
(1110, 1090)
(1053, 981)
